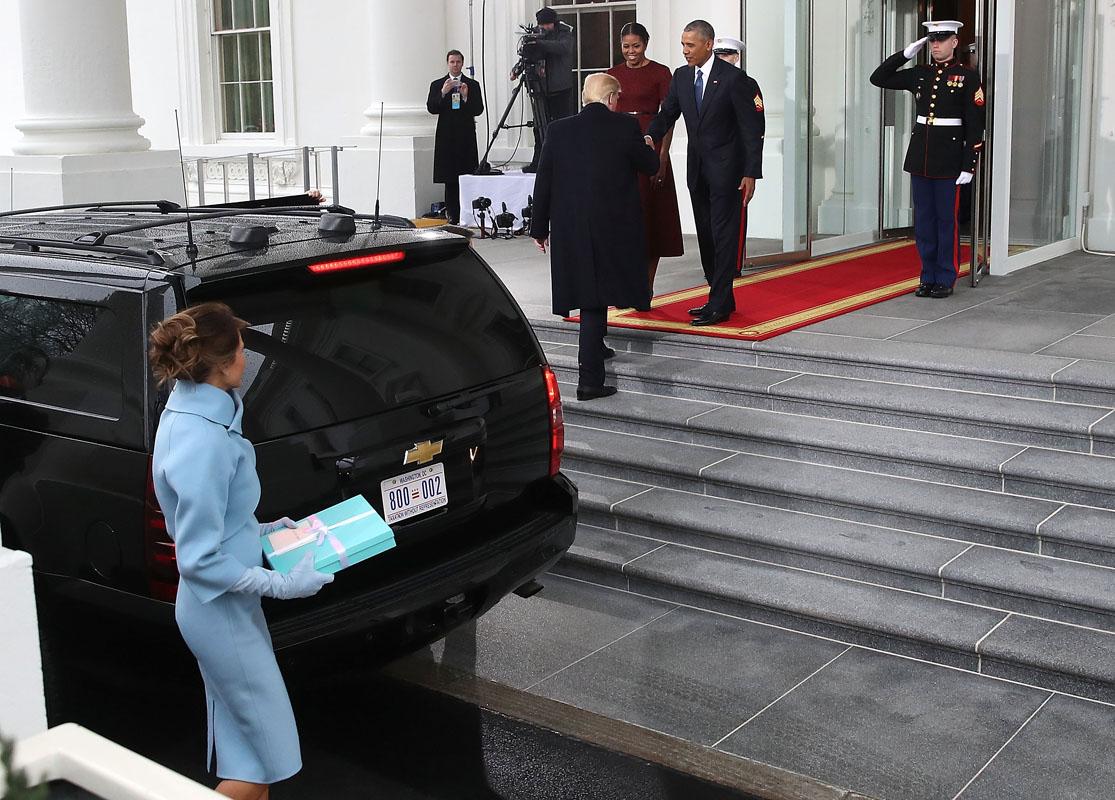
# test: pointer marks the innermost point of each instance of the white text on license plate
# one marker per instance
(414, 493)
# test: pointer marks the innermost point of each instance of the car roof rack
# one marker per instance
(98, 237)
(94, 241)
(152, 257)
(162, 206)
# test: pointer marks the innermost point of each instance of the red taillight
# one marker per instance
(159, 554)
(359, 261)
(557, 420)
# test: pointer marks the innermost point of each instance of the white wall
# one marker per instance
(153, 50)
(22, 706)
(332, 81)
(11, 87)
(1101, 220)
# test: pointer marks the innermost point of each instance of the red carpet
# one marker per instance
(784, 298)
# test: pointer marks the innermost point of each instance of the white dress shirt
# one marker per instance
(705, 69)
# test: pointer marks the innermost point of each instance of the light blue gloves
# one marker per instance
(270, 527)
(302, 581)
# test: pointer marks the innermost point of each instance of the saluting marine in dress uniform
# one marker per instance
(944, 148)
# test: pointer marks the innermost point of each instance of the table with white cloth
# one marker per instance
(512, 188)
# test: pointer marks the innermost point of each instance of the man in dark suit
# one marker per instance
(457, 101)
(723, 110)
(586, 206)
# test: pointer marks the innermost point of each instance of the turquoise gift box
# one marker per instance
(339, 536)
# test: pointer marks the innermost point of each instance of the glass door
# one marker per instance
(777, 57)
(1045, 142)
(901, 25)
(846, 135)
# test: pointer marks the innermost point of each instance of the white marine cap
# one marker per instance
(943, 26)
(726, 44)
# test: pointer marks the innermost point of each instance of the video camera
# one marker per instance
(529, 48)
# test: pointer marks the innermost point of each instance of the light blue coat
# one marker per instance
(205, 480)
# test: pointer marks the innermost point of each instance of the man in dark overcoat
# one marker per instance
(723, 110)
(587, 208)
(457, 101)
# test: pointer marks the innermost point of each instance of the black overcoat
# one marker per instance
(455, 141)
(586, 201)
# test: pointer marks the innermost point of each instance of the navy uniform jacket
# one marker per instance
(726, 137)
(947, 90)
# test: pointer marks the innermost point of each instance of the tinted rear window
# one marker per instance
(329, 349)
(60, 354)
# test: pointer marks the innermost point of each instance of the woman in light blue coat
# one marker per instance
(206, 484)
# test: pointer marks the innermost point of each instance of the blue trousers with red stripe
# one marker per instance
(936, 201)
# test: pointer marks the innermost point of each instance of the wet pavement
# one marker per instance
(364, 734)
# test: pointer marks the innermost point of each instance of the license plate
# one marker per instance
(414, 493)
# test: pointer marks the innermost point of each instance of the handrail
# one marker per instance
(74, 754)
(309, 155)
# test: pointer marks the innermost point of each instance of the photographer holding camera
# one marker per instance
(551, 43)
(456, 100)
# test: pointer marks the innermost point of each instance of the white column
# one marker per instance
(401, 68)
(22, 706)
(76, 79)
(79, 137)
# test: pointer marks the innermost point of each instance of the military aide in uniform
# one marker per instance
(944, 147)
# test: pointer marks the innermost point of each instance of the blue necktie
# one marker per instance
(699, 90)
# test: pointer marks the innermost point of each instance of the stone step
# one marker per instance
(1038, 585)
(942, 458)
(976, 516)
(1014, 420)
(968, 368)
(1041, 652)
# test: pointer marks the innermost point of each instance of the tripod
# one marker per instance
(533, 82)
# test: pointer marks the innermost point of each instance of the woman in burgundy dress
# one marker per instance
(644, 84)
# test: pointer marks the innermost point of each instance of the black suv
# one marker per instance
(375, 348)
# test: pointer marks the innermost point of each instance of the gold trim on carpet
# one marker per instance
(777, 272)
(796, 319)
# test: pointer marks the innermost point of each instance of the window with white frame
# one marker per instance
(596, 26)
(245, 86)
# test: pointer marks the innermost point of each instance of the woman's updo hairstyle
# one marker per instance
(635, 29)
(189, 345)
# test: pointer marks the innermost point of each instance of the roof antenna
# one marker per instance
(11, 188)
(379, 166)
(191, 248)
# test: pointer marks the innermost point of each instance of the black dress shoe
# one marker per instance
(609, 353)
(699, 311)
(924, 290)
(713, 318)
(593, 392)
(940, 290)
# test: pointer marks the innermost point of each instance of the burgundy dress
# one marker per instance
(644, 88)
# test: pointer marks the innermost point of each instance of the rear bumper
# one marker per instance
(401, 615)
(398, 615)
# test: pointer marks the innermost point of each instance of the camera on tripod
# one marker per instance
(529, 48)
(530, 72)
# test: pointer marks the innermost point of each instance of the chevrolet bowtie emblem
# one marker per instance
(422, 452)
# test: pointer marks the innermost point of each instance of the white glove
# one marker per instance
(270, 527)
(913, 48)
(963, 178)
(303, 581)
